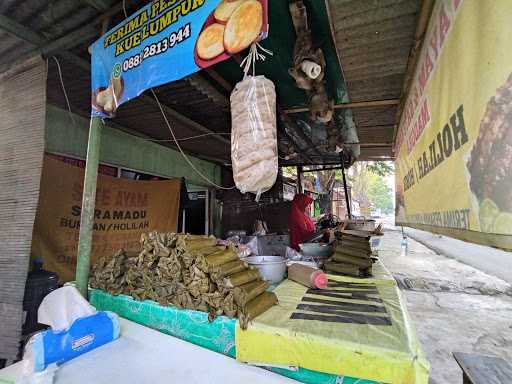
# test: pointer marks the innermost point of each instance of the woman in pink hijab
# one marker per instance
(301, 226)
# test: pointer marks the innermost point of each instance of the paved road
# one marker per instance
(455, 306)
(489, 260)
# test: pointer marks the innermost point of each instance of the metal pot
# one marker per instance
(316, 250)
(272, 268)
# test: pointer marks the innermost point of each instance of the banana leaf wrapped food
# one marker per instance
(227, 269)
(348, 259)
(199, 287)
(211, 261)
(228, 306)
(205, 251)
(200, 304)
(356, 252)
(185, 271)
(256, 307)
(192, 243)
(214, 299)
(246, 292)
(189, 257)
(241, 278)
(107, 275)
(346, 269)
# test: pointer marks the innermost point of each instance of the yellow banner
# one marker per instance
(454, 142)
(358, 329)
(124, 210)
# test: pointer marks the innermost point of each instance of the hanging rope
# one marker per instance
(250, 60)
(205, 178)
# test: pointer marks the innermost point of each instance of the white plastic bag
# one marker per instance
(254, 135)
(28, 376)
(62, 307)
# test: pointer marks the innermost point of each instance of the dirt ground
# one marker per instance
(455, 307)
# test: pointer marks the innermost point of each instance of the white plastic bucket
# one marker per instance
(272, 268)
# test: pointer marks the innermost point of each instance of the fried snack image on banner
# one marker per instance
(225, 9)
(210, 42)
(490, 164)
(107, 99)
(244, 26)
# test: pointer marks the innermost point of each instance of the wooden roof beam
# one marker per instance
(47, 47)
(170, 144)
(358, 104)
(20, 31)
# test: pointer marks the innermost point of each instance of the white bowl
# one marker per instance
(272, 268)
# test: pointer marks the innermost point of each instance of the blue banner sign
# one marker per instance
(168, 40)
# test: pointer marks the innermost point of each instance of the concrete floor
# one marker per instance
(489, 260)
(455, 307)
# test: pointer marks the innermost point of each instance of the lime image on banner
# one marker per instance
(490, 163)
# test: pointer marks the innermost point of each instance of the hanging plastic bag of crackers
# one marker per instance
(254, 136)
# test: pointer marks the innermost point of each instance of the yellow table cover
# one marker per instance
(355, 327)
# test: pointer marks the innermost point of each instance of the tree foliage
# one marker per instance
(381, 168)
(290, 172)
(368, 182)
(379, 193)
(369, 188)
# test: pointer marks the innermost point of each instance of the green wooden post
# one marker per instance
(88, 204)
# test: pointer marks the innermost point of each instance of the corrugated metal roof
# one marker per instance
(54, 19)
(373, 39)
(50, 19)
(145, 118)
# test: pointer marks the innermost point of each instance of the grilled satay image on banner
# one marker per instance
(490, 163)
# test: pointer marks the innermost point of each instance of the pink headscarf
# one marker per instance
(299, 223)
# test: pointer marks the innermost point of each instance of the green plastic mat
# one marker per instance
(188, 325)
(193, 326)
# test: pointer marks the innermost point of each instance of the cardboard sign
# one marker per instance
(124, 210)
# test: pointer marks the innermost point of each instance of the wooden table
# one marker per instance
(478, 369)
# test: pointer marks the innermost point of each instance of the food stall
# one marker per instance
(354, 330)
(200, 289)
